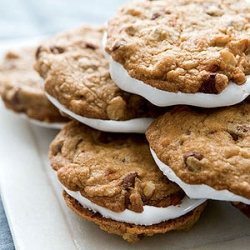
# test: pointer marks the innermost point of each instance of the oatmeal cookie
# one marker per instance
(187, 46)
(115, 172)
(20, 87)
(205, 146)
(77, 76)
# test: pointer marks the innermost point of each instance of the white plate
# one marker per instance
(39, 219)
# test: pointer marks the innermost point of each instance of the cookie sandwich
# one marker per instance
(112, 180)
(21, 90)
(205, 151)
(77, 81)
(181, 52)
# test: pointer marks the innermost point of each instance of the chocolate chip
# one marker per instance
(234, 136)
(196, 155)
(208, 85)
(155, 16)
(243, 128)
(129, 180)
(91, 46)
(56, 49)
(126, 199)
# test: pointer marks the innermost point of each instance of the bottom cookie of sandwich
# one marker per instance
(132, 232)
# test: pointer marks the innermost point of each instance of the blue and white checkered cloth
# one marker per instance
(6, 242)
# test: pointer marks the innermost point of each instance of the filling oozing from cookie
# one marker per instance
(231, 95)
(136, 125)
(198, 191)
(150, 215)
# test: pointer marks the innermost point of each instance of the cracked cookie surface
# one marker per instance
(187, 46)
(77, 75)
(206, 146)
(115, 171)
(20, 87)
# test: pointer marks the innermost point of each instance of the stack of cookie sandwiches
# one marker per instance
(194, 55)
(21, 91)
(160, 119)
(102, 157)
(156, 108)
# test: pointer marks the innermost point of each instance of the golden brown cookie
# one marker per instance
(116, 176)
(181, 47)
(77, 79)
(20, 87)
(131, 232)
(206, 151)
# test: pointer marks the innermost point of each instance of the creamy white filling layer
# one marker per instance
(151, 215)
(137, 125)
(231, 95)
(198, 191)
(50, 125)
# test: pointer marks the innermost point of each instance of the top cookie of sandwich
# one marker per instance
(206, 146)
(182, 46)
(77, 75)
(20, 87)
(112, 170)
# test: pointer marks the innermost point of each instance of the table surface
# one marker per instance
(28, 19)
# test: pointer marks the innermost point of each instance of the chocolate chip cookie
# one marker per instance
(112, 179)
(21, 90)
(206, 151)
(188, 46)
(77, 79)
(182, 46)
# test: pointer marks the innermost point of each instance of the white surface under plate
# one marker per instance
(39, 219)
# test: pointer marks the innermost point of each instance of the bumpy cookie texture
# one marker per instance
(134, 233)
(206, 146)
(20, 87)
(115, 171)
(187, 46)
(244, 208)
(77, 74)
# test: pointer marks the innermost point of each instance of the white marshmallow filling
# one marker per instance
(200, 191)
(52, 125)
(150, 215)
(231, 95)
(136, 125)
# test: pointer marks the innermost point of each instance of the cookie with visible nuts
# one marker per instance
(205, 151)
(115, 177)
(21, 90)
(186, 47)
(77, 80)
